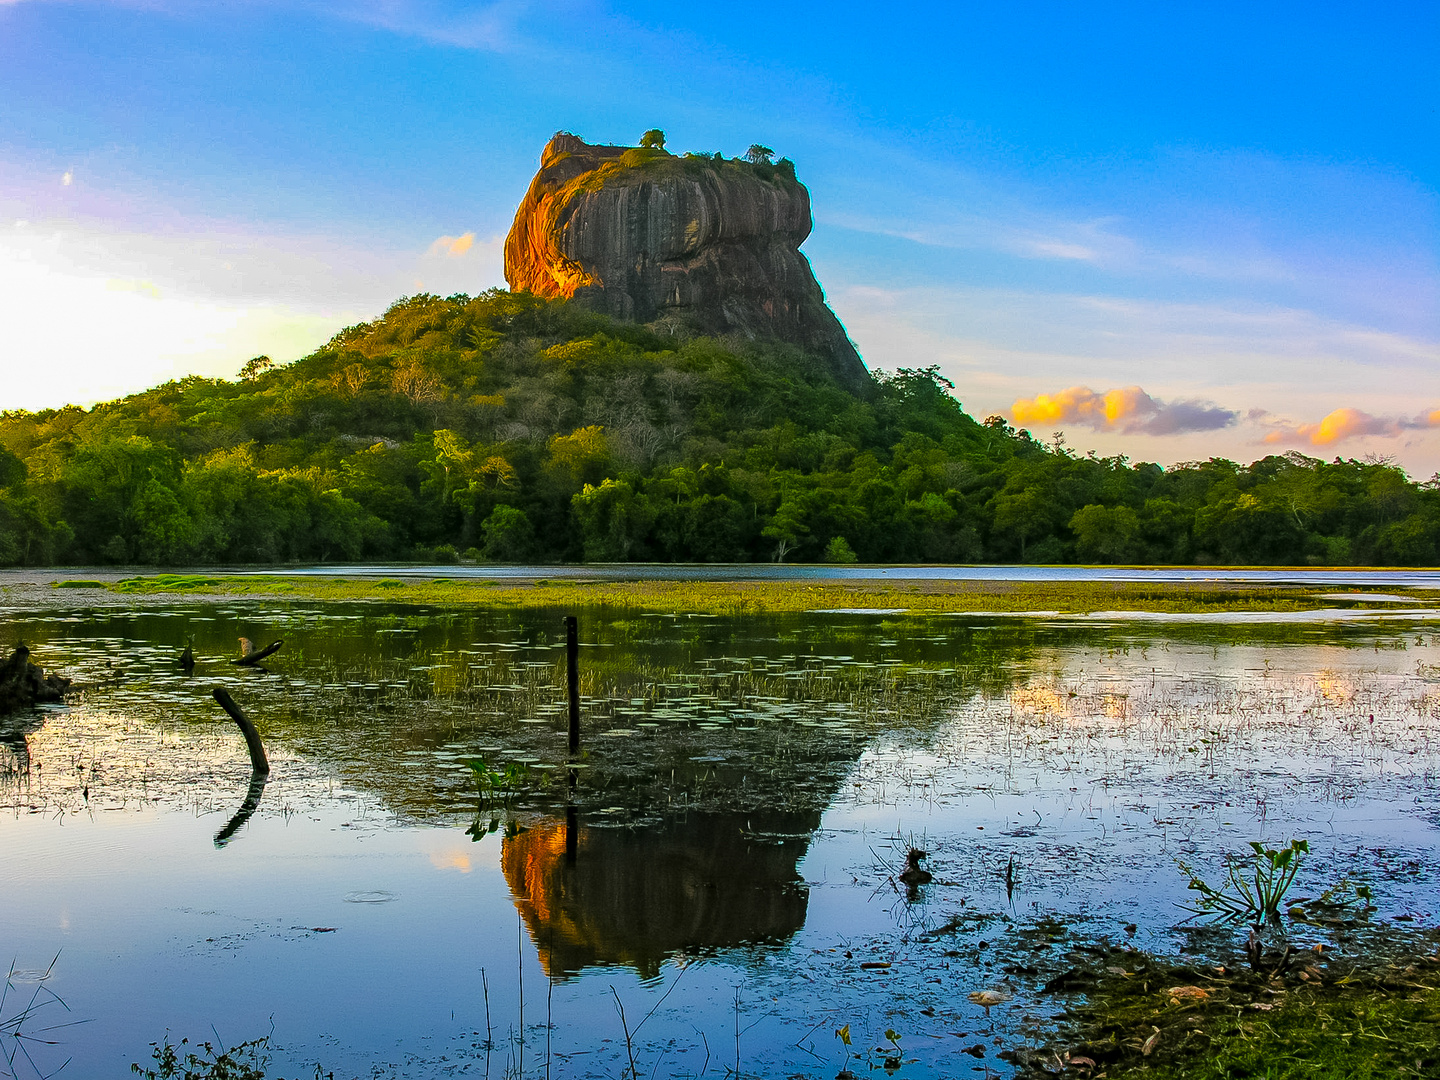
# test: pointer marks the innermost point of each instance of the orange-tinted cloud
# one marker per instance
(451, 858)
(1347, 423)
(454, 246)
(1128, 409)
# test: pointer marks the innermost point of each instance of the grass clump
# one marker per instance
(166, 583)
(1254, 887)
(1317, 1016)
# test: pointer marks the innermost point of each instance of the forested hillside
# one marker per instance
(508, 427)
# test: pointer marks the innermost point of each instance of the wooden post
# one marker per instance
(258, 761)
(572, 678)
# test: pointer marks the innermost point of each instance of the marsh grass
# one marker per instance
(758, 597)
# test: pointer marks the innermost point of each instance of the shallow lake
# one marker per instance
(421, 891)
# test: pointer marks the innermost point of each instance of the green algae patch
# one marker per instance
(770, 597)
(166, 583)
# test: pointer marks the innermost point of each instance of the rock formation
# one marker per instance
(23, 684)
(641, 234)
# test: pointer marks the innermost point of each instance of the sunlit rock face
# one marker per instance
(642, 234)
(637, 896)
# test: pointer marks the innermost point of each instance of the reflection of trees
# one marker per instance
(14, 736)
(636, 896)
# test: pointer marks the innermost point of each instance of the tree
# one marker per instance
(759, 155)
(613, 520)
(1107, 534)
(786, 527)
(256, 366)
(654, 139)
(508, 534)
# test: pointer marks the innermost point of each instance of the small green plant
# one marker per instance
(1254, 888)
(245, 1061)
(498, 785)
(654, 139)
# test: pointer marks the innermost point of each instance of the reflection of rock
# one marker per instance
(636, 896)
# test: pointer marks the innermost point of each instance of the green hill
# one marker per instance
(519, 428)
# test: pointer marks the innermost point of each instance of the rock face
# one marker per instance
(641, 234)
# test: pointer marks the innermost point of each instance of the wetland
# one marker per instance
(427, 884)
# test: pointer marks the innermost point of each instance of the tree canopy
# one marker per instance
(510, 427)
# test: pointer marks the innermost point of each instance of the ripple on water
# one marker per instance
(374, 896)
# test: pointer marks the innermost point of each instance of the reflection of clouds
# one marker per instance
(1042, 700)
(1333, 687)
(451, 858)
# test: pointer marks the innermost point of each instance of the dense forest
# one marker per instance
(507, 427)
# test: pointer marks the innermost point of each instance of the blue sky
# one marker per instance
(1170, 231)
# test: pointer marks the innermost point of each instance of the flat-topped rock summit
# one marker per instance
(641, 234)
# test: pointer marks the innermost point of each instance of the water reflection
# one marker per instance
(1047, 767)
(15, 738)
(248, 807)
(593, 895)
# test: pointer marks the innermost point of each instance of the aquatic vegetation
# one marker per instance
(244, 1061)
(773, 597)
(166, 582)
(1254, 888)
(500, 783)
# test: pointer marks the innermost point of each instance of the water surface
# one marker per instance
(419, 890)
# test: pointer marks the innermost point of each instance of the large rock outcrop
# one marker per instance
(641, 234)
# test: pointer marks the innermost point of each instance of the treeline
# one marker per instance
(508, 427)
